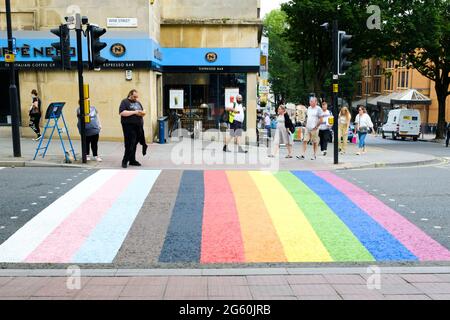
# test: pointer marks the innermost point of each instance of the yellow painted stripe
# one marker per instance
(261, 242)
(300, 241)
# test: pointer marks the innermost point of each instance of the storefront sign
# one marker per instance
(211, 57)
(122, 22)
(176, 99)
(118, 50)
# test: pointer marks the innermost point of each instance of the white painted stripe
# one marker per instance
(27, 238)
(2, 168)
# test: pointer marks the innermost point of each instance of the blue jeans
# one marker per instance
(269, 131)
(362, 139)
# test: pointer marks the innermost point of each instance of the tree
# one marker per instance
(285, 75)
(419, 31)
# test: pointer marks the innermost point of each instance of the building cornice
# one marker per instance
(224, 21)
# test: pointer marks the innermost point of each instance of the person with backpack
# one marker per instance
(284, 133)
(35, 114)
(236, 116)
(93, 128)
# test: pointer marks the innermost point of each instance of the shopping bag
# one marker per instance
(354, 140)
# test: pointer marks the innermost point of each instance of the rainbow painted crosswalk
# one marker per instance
(217, 217)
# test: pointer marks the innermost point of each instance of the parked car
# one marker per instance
(402, 123)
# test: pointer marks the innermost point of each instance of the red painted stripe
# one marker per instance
(221, 233)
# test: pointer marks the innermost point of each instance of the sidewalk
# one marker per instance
(354, 284)
(204, 155)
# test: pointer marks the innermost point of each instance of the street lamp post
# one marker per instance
(13, 95)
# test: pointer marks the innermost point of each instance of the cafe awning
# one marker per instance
(407, 97)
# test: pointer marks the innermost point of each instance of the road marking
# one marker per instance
(424, 219)
(34, 204)
(392, 200)
(43, 197)
(383, 195)
(63, 183)
(57, 188)
(25, 240)
(401, 205)
(437, 227)
(24, 210)
(2, 227)
(412, 212)
(68, 179)
(14, 218)
(50, 192)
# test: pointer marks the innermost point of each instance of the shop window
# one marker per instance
(204, 96)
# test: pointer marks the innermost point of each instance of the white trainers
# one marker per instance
(88, 158)
(98, 159)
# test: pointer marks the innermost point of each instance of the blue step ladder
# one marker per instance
(53, 115)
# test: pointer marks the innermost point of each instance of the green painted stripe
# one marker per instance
(340, 242)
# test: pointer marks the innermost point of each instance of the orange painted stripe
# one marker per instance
(261, 242)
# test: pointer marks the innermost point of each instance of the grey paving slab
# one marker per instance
(433, 288)
(313, 289)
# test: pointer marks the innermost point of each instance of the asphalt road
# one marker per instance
(429, 148)
(24, 192)
(420, 194)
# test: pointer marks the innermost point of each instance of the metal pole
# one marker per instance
(79, 31)
(335, 90)
(13, 94)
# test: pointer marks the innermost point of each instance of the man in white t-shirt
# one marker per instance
(314, 117)
(237, 118)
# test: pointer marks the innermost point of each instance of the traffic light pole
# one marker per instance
(335, 91)
(79, 31)
(13, 94)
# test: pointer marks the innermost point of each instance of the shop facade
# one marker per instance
(143, 54)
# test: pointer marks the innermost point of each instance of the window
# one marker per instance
(389, 83)
(390, 64)
(377, 85)
(403, 78)
(359, 90)
(204, 96)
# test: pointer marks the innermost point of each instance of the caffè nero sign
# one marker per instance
(27, 51)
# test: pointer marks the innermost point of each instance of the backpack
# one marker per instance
(288, 123)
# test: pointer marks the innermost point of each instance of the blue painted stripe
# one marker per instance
(184, 235)
(380, 243)
(106, 239)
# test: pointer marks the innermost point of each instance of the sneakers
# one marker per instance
(324, 153)
(124, 164)
(242, 150)
(39, 137)
(98, 159)
(301, 157)
(313, 158)
(225, 149)
(88, 158)
(135, 164)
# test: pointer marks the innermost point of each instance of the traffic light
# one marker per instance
(95, 46)
(343, 52)
(62, 56)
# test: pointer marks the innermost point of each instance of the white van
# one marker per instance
(402, 123)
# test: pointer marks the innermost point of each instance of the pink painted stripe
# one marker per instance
(67, 238)
(221, 233)
(414, 239)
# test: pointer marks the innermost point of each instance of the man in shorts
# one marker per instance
(314, 118)
(236, 124)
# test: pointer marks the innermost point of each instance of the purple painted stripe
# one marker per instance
(418, 242)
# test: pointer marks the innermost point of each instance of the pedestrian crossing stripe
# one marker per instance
(218, 217)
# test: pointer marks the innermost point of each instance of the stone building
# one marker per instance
(198, 50)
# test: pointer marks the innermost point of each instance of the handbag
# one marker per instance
(354, 140)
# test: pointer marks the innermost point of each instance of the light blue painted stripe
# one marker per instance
(107, 238)
(378, 241)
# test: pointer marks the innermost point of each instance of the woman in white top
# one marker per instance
(363, 124)
(282, 134)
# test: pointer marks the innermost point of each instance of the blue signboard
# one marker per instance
(128, 50)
